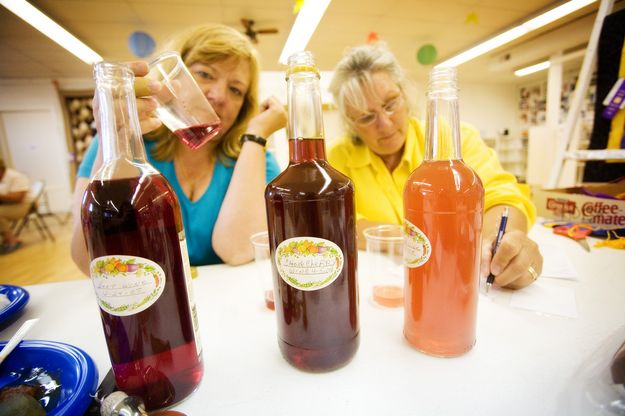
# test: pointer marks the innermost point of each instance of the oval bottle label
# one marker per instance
(309, 263)
(126, 285)
(417, 247)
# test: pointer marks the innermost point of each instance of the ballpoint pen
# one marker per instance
(502, 229)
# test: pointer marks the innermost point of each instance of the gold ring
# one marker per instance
(533, 273)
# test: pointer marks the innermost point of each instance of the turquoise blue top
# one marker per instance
(198, 217)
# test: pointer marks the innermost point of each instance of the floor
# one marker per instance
(41, 261)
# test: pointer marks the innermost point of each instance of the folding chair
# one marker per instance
(36, 193)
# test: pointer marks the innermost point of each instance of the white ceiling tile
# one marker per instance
(405, 24)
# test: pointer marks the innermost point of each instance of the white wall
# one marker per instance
(490, 108)
(273, 83)
(33, 127)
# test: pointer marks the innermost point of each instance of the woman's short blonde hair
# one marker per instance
(206, 44)
(353, 77)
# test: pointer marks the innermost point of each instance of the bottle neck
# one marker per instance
(120, 133)
(442, 128)
(305, 127)
(302, 150)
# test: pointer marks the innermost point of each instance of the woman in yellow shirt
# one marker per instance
(385, 144)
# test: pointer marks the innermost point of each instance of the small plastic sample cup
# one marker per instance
(182, 106)
(385, 252)
(262, 260)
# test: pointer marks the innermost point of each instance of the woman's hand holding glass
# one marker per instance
(146, 105)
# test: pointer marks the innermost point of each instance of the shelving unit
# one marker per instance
(80, 125)
(512, 153)
(532, 114)
(567, 148)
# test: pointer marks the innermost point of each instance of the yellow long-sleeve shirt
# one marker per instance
(379, 192)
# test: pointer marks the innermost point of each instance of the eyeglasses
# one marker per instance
(390, 107)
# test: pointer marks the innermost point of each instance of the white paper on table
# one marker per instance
(556, 263)
(547, 298)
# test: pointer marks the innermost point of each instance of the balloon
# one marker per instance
(372, 37)
(141, 44)
(297, 6)
(472, 19)
(426, 54)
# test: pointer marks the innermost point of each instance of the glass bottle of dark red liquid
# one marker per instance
(312, 238)
(443, 202)
(139, 263)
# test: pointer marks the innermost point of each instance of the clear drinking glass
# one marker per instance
(182, 106)
(385, 254)
(262, 260)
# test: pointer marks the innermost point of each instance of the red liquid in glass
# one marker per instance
(269, 302)
(153, 352)
(197, 136)
(318, 330)
(444, 199)
(389, 296)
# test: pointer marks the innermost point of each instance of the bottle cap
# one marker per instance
(119, 403)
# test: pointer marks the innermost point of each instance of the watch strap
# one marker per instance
(253, 138)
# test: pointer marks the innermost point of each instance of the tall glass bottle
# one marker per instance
(312, 238)
(443, 202)
(139, 264)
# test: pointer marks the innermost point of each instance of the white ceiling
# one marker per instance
(405, 25)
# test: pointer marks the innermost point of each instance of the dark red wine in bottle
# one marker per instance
(312, 239)
(139, 263)
(147, 228)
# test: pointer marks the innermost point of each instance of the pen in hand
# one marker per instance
(502, 229)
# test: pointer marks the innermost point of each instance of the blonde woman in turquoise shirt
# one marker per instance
(213, 182)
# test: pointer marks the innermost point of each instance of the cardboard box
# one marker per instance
(575, 205)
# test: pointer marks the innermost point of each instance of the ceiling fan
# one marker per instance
(251, 33)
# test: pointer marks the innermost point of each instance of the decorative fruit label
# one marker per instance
(417, 247)
(309, 263)
(126, 285)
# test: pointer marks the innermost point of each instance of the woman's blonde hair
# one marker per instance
(353, 78)
(206, 44)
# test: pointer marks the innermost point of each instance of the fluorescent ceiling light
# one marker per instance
(305, 24)
(546, 64)
(516, 32)
(51, 29)
(532, 68)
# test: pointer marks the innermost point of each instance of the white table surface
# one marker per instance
(523, 363)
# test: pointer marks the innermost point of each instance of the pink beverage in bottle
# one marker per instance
(139, 263)
(443, 203)
(312, 238)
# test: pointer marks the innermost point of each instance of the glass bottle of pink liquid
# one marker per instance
(139, 263)
(312, 238)
(443, 203)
